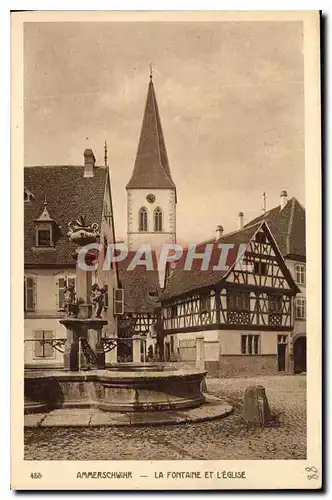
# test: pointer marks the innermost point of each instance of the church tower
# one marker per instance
(151, 192)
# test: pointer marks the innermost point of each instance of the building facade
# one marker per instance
(245, 313)
(53, 197)
(287, 223)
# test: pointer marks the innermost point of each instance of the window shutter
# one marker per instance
(38, 346)
(61, 285)
(30, 293)
(48, 348)
(118, 300)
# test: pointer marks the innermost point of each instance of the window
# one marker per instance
(158, 220)
(300, 274)
(205, 304)
(237, 301)
(118, 301)
(260, 237)
(250, 344)
(300, 308)
(174, 311)
(275, 303)
(43, 237)
(61, 285)
(143, 219)
(42, 348)
(260, 268)
(29, 293)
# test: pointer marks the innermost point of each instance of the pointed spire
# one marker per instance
(44, 216)
(151, 168)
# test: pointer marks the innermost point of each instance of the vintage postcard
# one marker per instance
(168, 334)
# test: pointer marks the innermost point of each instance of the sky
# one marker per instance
(230, 96)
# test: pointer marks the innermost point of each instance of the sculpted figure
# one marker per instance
(71, 306)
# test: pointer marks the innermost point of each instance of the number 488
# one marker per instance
(36, 475)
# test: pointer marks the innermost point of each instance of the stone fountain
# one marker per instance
(137, 389)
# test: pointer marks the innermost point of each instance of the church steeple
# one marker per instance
(151, 169)
(151, 192)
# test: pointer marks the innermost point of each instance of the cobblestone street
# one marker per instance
(226, 439)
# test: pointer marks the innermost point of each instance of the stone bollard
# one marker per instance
(256, 408)
(136, 349)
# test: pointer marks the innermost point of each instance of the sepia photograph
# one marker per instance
(165, 215)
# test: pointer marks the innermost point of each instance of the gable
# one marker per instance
(262, 264)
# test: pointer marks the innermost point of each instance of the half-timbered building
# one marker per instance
(244, 311)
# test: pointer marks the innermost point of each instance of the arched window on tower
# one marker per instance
(158, 220)
(143, 219)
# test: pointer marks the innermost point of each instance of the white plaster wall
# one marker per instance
(50, 324)
(230, 341)
(165, 199)
(46, 288)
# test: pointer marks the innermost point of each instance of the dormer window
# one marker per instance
(44, 229)
(44, 237)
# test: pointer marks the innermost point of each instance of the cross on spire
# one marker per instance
(151, 71)
(264, 202)
(105, 154)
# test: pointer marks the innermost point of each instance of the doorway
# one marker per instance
(281, 357)
(282, 351)
(300, 355)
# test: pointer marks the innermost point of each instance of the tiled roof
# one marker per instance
(151, 168)
(182, 281)
(287, 226)
(141, 287)
(68, 195)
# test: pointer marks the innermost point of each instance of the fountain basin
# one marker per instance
(117, 391)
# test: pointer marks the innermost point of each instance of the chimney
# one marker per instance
(283, 199)
(219, 232)
(240, 220)
(89, 163)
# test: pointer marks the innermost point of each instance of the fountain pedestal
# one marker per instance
(89, 329)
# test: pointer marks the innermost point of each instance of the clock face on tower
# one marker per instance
(150, 198)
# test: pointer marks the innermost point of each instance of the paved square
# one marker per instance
(224, 439)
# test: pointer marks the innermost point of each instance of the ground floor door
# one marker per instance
(300, 354)
(281, 357)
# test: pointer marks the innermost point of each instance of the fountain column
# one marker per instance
(83, 349)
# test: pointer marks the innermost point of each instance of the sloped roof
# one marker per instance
(151, 169)
(69, 195)
(182, 281)
(138, 284)
(287, 226)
